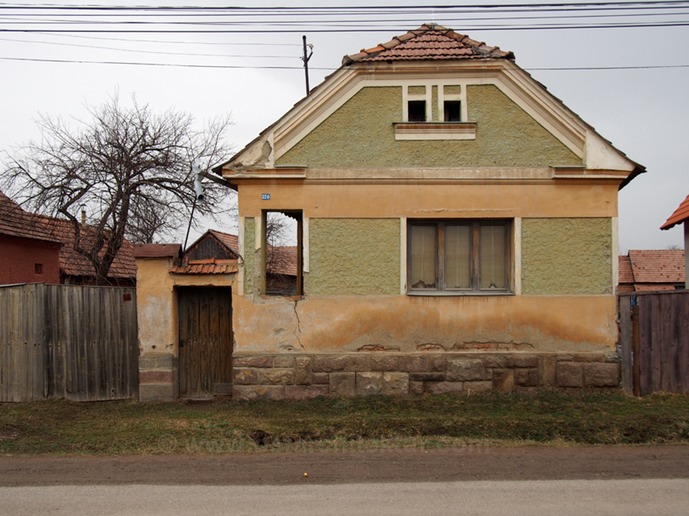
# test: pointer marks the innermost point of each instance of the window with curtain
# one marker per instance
(460, 256)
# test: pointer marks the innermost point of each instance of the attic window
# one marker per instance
(416, 110)
(452, 111)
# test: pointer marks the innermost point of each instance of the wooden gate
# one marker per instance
(654, 341)
(205, 341)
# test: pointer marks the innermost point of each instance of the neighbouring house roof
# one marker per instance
(157, 250)
(74, 264)
(646, 270)
(15, 221)
(681, 214)
(284, 261)
(428, 42)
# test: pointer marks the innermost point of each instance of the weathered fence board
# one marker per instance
(68, 341)
(654, 341)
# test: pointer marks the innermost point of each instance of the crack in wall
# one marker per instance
(297, 330)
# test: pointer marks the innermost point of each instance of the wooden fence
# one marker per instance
(68, 341)
(654, 342)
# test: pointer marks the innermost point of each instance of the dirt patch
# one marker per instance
(406, 465)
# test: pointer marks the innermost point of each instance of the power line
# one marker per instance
(268, 67)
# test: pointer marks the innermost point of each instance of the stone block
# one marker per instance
(302, 371)
(601, 374)
(478, 387)
(156, 376)
(503, 380)
(427, 377)
(245, 376)
(152, 392)
(395, 384)
(357, 363)
(384, 363)
(253, 360)
(158, 361)
(465, 369)
(369, 383)
(416, 388)
(526, 377)
(569, 374)
(343, 384)
(546, 371)
(302, 392)
(276, 376)
(413, 363)
(444, 387)
(496, 361)
(284, 361)
(328, 363)
(519, 360)
(258, 392)
(320, 378)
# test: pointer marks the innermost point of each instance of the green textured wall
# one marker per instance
(360, 134)
(249, 255)
(354, 256)
(567, 256)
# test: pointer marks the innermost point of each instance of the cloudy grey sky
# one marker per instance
(624, 71)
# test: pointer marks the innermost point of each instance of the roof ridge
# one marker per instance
(389, 51)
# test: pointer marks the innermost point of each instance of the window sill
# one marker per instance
(435, 130)
(450, 293)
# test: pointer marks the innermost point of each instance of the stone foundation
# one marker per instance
(158, 377)
(298, 376)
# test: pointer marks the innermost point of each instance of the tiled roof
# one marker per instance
(681, 214)
(207, 266)
(658, 266)
(625, 270)
(157, 250)
(428, 42)
(231, 241)
(16, 222)
(284, 261)
(74, 264)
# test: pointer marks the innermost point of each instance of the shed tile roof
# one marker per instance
(681, 214)
(157, 250)
(625, 270)
(428, 42)
(231, 241)
(207, 266)
(284, 261)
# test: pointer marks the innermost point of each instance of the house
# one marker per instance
(29, 252)
(681, 216)
(651, 270)
(456, 231)
(37, 248)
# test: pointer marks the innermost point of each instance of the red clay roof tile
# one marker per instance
(428, 42)
(14, 221)
(657, 266)
(681, 214)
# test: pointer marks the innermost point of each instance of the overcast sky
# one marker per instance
(639, 101)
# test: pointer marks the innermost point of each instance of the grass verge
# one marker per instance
(123, 427)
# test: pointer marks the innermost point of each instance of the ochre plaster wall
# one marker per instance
(361, 133)
(408, 323)
(567, 256)
(354, 256)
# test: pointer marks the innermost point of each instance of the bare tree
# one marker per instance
(130, 169)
